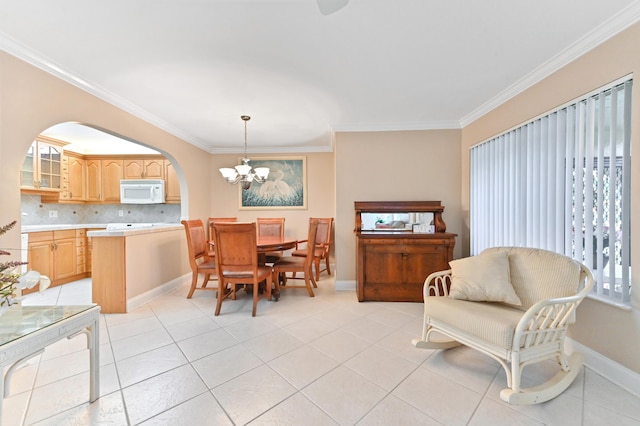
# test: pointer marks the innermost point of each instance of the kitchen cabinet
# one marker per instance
(103, 179)
(56, 255)
(151, 168)
(81, 251)
(392, 263)
(93, 173)
(73, 178)
(41, 169)
(172, 185)
(112, 173)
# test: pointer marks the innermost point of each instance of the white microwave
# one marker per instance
(142, 191)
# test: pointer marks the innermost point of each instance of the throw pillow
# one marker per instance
(483, 278)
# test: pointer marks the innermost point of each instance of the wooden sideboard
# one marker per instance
(392, 265)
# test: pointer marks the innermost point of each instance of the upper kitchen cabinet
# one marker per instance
(73, 178)
(172, 185)
(103, 179)
(147, 168)
(93, 172)
(112, 173)
(42, 167)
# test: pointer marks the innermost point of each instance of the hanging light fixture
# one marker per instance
(244, 172)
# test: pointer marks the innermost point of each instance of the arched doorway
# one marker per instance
(84, 146)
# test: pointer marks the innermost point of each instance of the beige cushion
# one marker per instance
(538, 274)
(483, 278)
(491, 322)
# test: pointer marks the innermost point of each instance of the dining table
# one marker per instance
(270, 243)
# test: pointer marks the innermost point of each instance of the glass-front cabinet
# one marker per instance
(42, 167)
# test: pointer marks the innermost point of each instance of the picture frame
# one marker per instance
(284, 189)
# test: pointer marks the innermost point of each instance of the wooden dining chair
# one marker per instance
(295, 264)
(271, 227)
(322, 245)
(237, 262)
(211, 221)
(199, 259)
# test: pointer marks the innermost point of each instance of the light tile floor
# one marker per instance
(301, 361)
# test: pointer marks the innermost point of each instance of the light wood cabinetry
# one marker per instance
(103, 179)
(95, 179)
(392, 265)
(60, 255)
(172, 185)
(41, 170)
(112, 173)
(93, 172)
(73, 178)
(151, 168)
(81, 251)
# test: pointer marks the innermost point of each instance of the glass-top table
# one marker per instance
(26, 330)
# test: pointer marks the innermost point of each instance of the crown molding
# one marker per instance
(613, 26)
(18, 50)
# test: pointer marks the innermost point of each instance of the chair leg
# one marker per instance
(255, 298)
(316, 261)
(222, 289)
(328, 267)
(307, 280)
(194, 282)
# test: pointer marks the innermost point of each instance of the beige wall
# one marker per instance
(225, 199)
(394, 166)
(611, 331)
(32, 100)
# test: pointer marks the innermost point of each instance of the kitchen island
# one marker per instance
(131, 266)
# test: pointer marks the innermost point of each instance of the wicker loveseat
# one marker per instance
(513, 304)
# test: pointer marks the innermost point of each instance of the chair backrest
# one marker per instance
(236, 247)
(270, 226)
(538, 274)
(311, 242)
(323, 236)
(213, 220)
(196, 241)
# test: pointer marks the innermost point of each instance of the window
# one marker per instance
(562, 182)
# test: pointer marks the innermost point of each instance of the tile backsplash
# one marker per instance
(36, 213)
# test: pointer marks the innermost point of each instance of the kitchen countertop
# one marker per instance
(61, 227)
(162, 227)
(101, 230)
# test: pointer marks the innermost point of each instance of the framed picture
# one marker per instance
(285, 188)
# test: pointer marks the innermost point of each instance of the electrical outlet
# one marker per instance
(53, 213)
(120, 213)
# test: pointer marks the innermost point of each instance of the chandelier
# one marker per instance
(244, 172)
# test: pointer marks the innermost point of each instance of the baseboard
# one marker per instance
(346, 285)
(620, 375)
(146, 297)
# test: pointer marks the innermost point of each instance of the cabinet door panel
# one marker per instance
(94, 180)
(41, 257)
(76, 179)
(133, 169)
(153, 169)
(64, 258)
(111, 176)
(382, 265)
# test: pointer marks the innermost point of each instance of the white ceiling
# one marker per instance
(192, 67)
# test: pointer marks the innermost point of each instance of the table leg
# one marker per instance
(94, 360)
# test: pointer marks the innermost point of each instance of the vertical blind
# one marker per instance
(561, 182)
